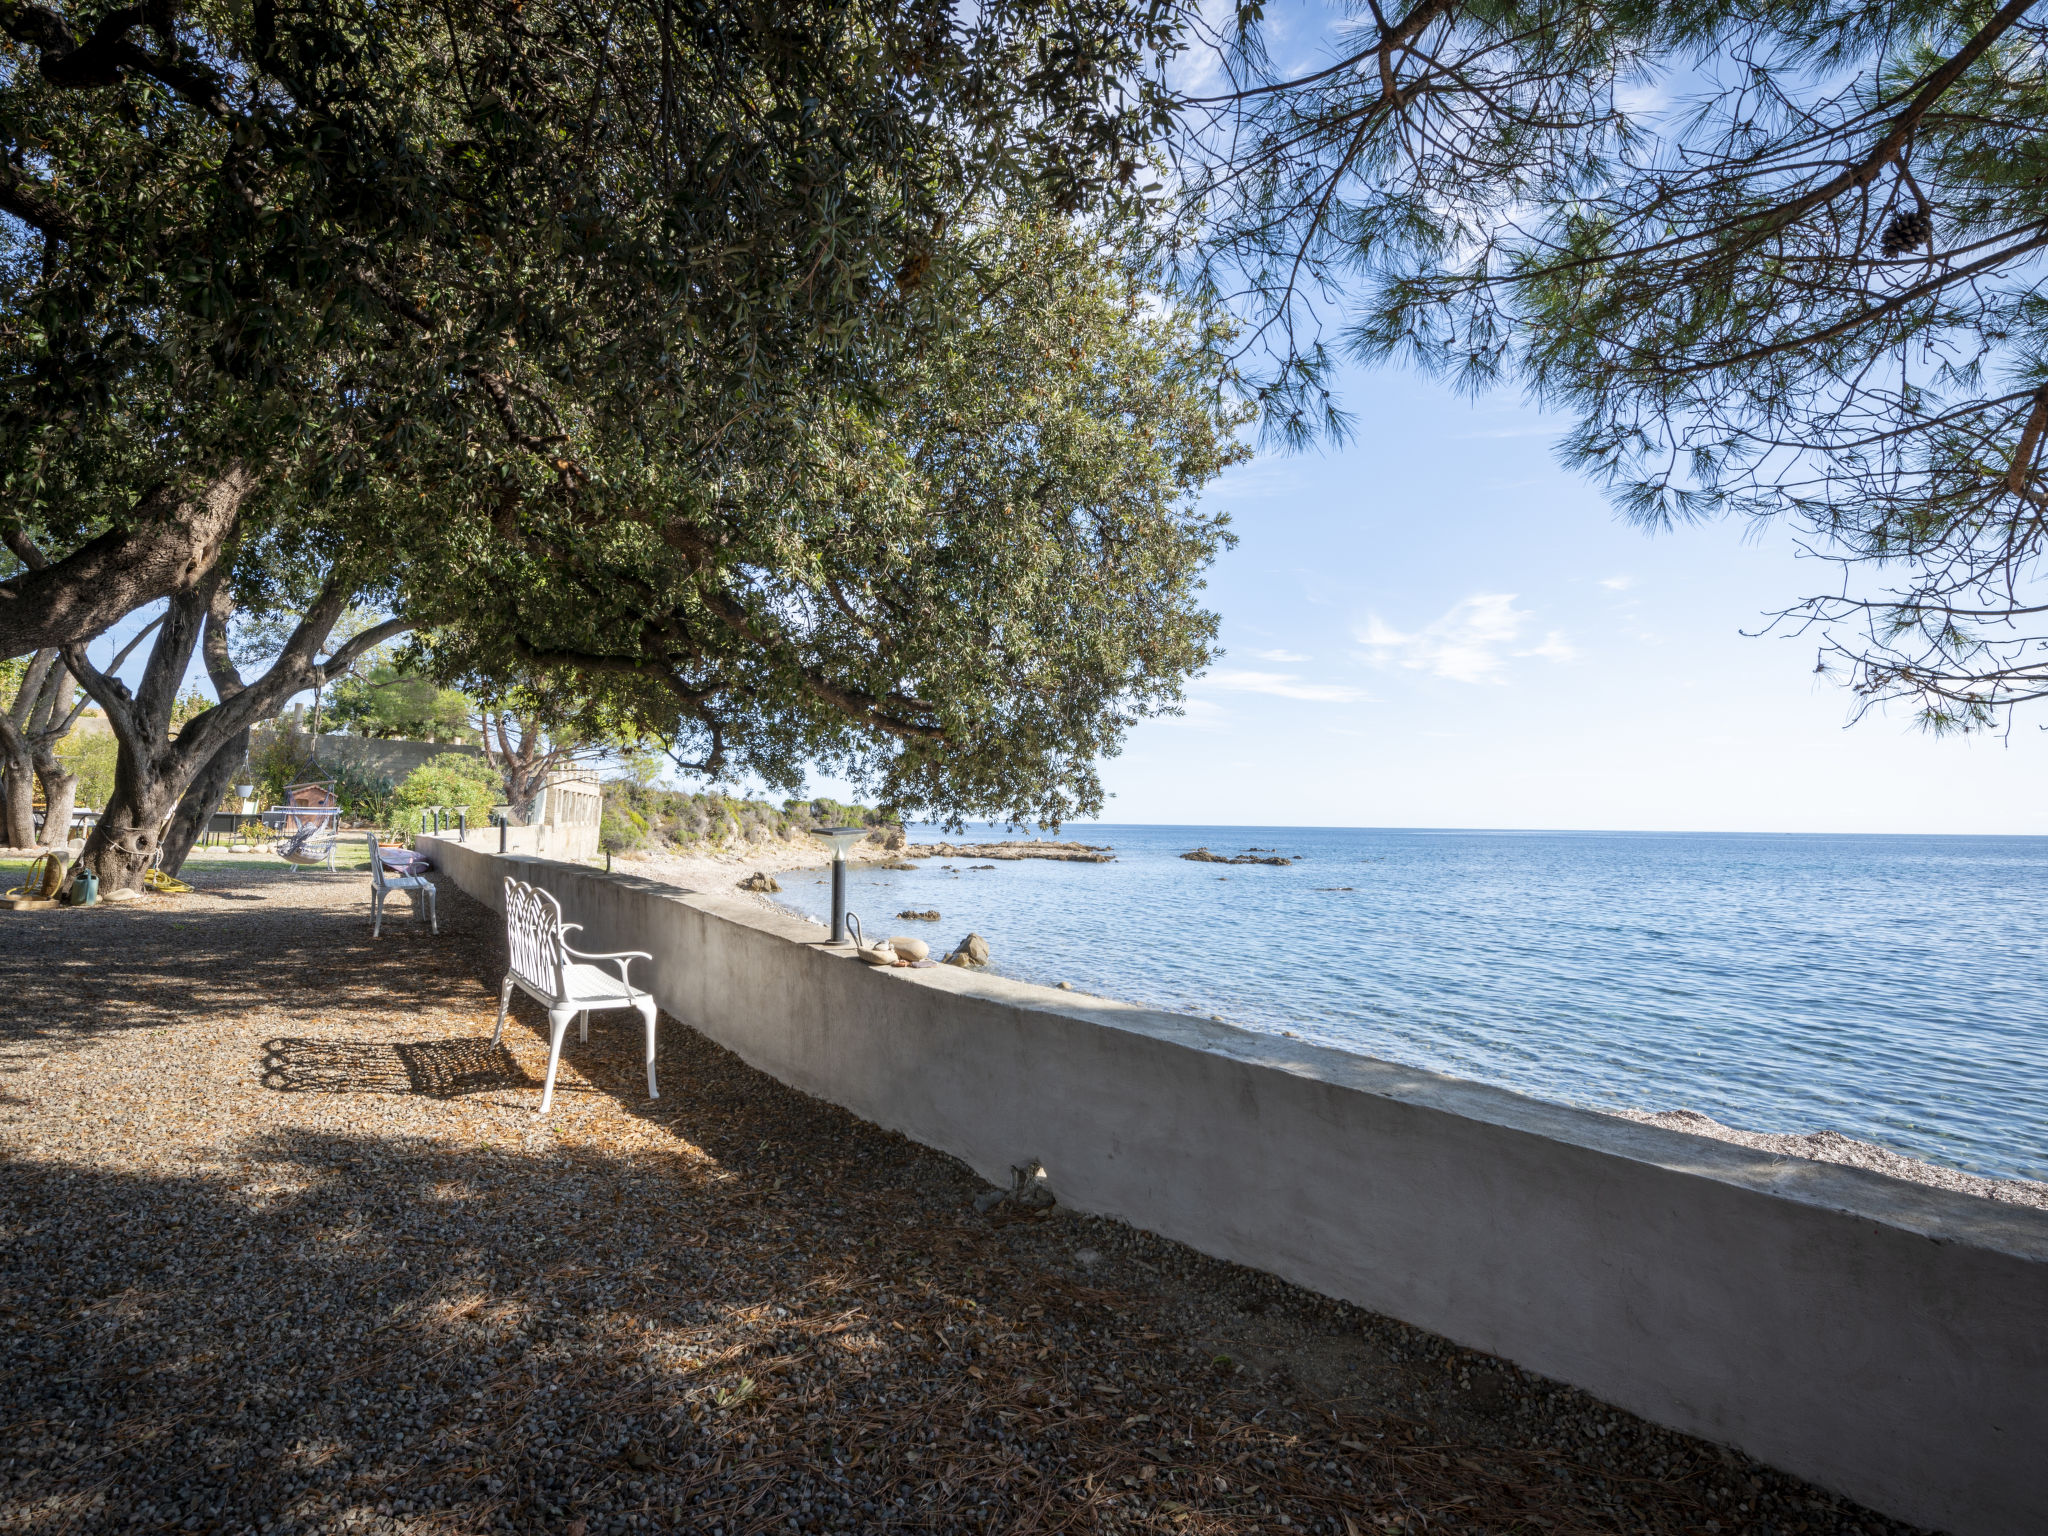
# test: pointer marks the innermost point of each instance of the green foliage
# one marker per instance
(391, 703)
(342, 241)
(1780, 261)
(365, 796)
(621, 830)
(456, 780)
(958, 595)
(90, 755)
(639, 815)
(279, 755)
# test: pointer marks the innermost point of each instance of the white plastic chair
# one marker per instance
(383, 883)
(547, 970)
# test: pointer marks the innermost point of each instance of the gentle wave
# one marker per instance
(1891, 988)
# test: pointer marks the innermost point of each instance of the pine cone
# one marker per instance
(1907, 232)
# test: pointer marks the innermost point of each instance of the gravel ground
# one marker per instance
(283, 1249)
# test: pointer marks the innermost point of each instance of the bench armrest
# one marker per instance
(623, 959)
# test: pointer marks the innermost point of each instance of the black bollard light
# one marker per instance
(842, 839)
(462, 817)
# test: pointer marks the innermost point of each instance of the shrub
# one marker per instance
(90, 755)
(457, 780)
(622, 830)
(364, 795)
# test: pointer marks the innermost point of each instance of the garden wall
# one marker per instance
(1885, 1340)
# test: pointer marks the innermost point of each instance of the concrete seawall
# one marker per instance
(1885, 1340)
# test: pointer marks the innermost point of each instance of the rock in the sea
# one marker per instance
(973, 950)
(1204, 856)
(895, 864)
(760, 880)
(909, 948)
(931, 916)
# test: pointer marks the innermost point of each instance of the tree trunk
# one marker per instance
(173, 543)
(60, 794)
(125, 839)
(17, 774)
(153, 769)
(201, 800)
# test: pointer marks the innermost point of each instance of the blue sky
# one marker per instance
(1437, 625)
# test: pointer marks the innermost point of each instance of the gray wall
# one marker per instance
(1884, 1340)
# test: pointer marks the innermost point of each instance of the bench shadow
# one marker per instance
(435, 1069)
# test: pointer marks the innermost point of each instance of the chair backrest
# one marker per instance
(377, 876)
(533, 934)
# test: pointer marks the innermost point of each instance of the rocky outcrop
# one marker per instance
(973, 951)
(931, 915)
(1204, 856)
(1029, 848)
(760, 880)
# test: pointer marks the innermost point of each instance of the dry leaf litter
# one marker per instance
(283, 1249)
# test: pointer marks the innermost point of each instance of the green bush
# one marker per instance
(622, 830)
(457, 780)
(279, 754)
(364, 795)
(90, 755)
(637, 813)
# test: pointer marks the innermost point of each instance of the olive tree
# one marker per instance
(959, 592)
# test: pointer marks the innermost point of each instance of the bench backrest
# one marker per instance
(533, 934)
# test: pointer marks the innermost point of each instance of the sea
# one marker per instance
(1893, 989)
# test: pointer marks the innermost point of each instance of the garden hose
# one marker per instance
(44, 880)
(165, 885)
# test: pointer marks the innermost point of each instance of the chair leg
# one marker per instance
(583, 1027)
(504, 1002)
(376, 914)
(647, 1013)
(558, 1026)
(433, 913)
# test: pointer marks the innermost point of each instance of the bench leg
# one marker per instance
(504, 1002)
(558, 1026)
(647, 1012)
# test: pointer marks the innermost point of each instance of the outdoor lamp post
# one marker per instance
(841, 839)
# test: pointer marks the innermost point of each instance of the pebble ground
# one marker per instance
(284, 1249)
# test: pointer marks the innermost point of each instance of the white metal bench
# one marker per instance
(383, 883)
(547, 970)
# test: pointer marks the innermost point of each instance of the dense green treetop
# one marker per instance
(325, 239)
(958, 592)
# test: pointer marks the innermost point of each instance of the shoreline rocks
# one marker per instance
(760, 880)
(972, 951)
(1028, 848)
(1204, 856)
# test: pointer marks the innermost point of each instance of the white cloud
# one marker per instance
(1279, 656)
(1618, 583)
(1284, 685)
(1471, 643)
(1553, 648)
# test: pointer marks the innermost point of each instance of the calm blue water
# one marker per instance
(1891, 988)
